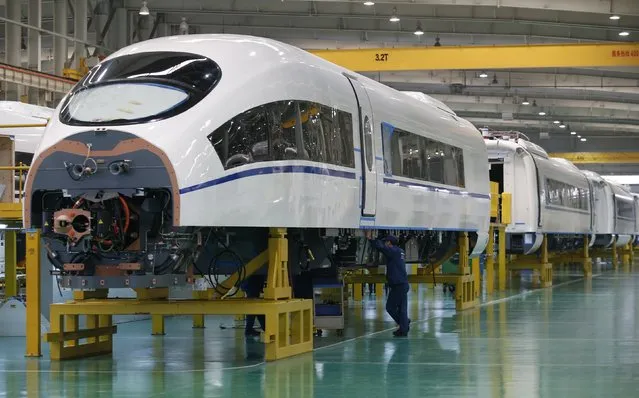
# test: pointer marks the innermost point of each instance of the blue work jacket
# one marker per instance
(395, 262)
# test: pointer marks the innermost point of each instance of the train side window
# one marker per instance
(434, 156)
(368, 142)
(345, 134)
(387, 147)
(285, 133)
(243, 139)
(411, 160)
(453, 163)
(286, 130)
(313, 131)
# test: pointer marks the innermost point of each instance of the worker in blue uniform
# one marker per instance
(397, 279)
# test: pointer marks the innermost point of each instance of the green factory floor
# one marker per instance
(579, 338)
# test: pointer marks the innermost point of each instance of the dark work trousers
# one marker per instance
(397, 305)
(253, 286)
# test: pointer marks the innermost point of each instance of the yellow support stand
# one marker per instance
(464, 280)
(379, 290)
(538, 262)
(583, 258)
(490, 261)
(501, 253)
(615, 257)
(277, 282)
(157, 324)
(414, 268)
(625, 257)
(10, 264)
(289, 322)
(476, 271)
(465, 285)
(34, 346)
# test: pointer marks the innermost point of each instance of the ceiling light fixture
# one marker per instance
(557, 122)
(495, 81)
(369, 3)
(534, 102)
(583, 139)
(615, 17)
(144, 10)
(483, 75)
(573, 133)
(624, 33)
(578, 136)
(394, 17)
(418, 30)
(562, 125)
(542, 113)
(525, 101)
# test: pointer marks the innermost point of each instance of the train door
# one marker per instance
(367, 145)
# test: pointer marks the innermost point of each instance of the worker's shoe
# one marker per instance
(252, 332)
(399, 333)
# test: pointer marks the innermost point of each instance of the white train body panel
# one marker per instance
(603, 209)
(625, 215)
(299, 193)
(563, 219)
(519, 179)
(27, 139)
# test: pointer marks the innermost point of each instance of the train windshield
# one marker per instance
(139, 88)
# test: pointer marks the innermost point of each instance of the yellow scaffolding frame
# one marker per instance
(289, 322)
(464, 280)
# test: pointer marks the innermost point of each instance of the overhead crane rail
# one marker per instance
(31, 78)
(484, 57)
(599, 157)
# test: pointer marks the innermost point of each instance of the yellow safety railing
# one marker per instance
(12, 211)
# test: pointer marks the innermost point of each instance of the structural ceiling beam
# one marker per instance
(485, 57)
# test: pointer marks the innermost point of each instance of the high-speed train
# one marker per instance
(185, 150)
(176, 155)
(552, 196)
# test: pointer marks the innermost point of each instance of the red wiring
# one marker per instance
(127, 214)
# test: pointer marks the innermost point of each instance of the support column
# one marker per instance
(59, 43)
(34, 46)
(33, 294)
(80, 31)
(615, 258)
(119, 29)
(587, 261)
(10, 263)
(502, 257)
(490, 261)
(277, 282)
(12, 39)
(476, 271)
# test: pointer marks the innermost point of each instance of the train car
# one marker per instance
(625, 215)
(603, 210)
(179, 150)
(26, 138)
(549, 196)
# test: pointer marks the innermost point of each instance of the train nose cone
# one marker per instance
(96, 163)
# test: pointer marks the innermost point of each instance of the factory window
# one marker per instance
(286, 130)
(562, 194)
(414, 156)
(138, 88)
(625, 208)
